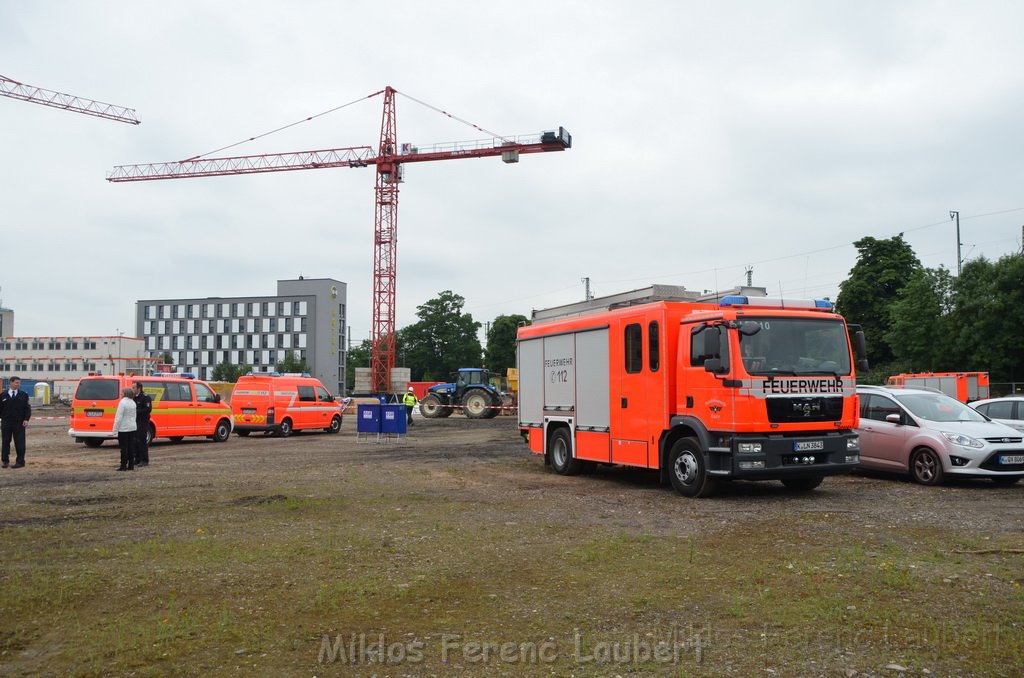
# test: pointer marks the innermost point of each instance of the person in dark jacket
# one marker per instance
(15, 411)
(143, 409)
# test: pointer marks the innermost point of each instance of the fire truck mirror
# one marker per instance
(715, 366)
(749, 328)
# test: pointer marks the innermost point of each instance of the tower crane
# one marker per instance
(69, 102)
(388, 159)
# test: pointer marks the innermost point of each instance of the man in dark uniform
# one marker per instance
(143, 408)
(15, 411)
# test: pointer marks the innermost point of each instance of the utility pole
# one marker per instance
(956, 215)
(586, 289)
(750, 276)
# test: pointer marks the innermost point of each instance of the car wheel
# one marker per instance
(335, 426)
(561, 454)
(222, 432)
(802, 484)
(687, 470)
(926, 467)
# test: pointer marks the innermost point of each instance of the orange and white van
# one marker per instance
(282, 403)
(182, 406)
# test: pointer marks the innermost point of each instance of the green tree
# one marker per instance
(356, 356)
(443, 340)
(166, 358)
(226, 371)
(501, 342)
(883, 268)
(920, 324)
(987, 316)
(292, 363)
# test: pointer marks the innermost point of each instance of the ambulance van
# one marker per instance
(182, 406)
(283, 403)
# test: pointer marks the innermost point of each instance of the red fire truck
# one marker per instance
(964, 386)
(736, 386)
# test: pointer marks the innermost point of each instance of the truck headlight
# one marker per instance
(852, 443)
(748, 448)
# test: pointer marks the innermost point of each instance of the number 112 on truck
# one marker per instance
(702, 389)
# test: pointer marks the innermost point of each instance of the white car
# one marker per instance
(1008, 410)
(930, 436)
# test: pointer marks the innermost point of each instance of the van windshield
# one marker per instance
(97, 389)
(796, 346)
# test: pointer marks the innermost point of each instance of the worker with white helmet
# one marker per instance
(409, 400)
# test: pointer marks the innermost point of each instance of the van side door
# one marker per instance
(306, 414)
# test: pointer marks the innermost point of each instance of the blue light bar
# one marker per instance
(823, 303)
(733, 300)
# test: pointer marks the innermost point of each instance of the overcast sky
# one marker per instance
(707, 137)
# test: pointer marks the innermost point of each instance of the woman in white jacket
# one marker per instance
(124, 427)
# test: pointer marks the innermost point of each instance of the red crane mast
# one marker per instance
(388, 159)
(69, 102)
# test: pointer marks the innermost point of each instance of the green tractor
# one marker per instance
(470, 390)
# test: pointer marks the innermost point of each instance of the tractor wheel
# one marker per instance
(476, 404)
(445, 412)
(431, 407)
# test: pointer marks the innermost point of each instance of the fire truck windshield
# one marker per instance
(795, 346)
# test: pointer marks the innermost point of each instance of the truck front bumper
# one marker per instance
(759, 457)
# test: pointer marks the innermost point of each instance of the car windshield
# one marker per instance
(938, 407)
(796, 346)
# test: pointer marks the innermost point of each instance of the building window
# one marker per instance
(286, 308)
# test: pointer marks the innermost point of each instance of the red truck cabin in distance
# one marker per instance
(700, 388)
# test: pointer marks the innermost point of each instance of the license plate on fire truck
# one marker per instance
(809, 446)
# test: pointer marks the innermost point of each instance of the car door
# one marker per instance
(208, 410)
(883, 443)
(306, 407)
(326, 407)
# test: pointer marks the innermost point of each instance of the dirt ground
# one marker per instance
(486, 468)
(495, 462)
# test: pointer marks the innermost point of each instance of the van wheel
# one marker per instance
(561, 454)
(286, 428)
(803, 484)
(242, 433)
(335, 426)
(150, 434)
(93, 442)
(926, 467)
(222, 432)
(687, 471)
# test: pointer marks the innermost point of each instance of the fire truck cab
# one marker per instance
(730, 387)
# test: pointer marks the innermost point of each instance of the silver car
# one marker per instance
(930, 436)
(1008, 410)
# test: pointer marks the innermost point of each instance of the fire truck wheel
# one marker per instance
(561, 454)
(286, 428)
(803, 484)
(926, 467)
(687, 470)
(150, 434)
(242, 433)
